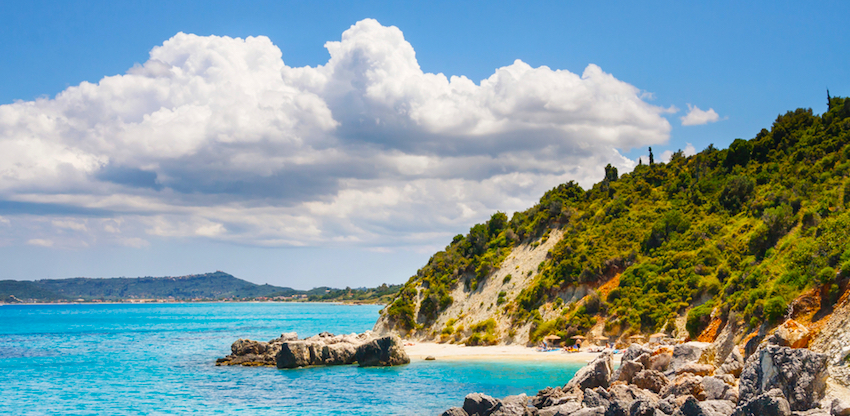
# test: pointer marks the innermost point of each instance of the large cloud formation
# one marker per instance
(218, 138)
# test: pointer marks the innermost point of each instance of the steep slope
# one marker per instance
(668, 247)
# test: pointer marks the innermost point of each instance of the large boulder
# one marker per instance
(733, 364)
(597, 397)
(799, 374)
(563, 409)
(455, 411)
(548, 397)
(382, 352)
(296, 354)
(627, 394)
(686, 353)
(595, 374)
(770, 403)
(511, 406)
(642, 407)
(650, 380)
(628, 369)
(696, 369)
(339, 353)
(660, 361)
(791, 334)
(717, 389)
(634, 351)
(683, 385)
(247, 346)
(477, 404)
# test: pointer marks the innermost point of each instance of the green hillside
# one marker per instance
(743, 229)
(24, 290)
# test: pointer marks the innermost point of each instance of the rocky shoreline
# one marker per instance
(324, 349)
(687, 379)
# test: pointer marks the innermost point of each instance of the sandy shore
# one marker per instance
(420, 350)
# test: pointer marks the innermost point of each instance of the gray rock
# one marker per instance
(667, 406)
(590, 411)
(799, 374)
(455, 411)
(733, 364)
(634, 351)
(597, 397)
(811, 412)
(382, 352)
(595, 374)
(839, 408)
(616, 408)
(683, 385)
(660, 362)
(511, 406)
(686, 353)
(690, 407)
(547, 397)
(477, 404)
(717, 389)
(696, 369)
(288, 336)
(651, 380)
(642, 407)
(247, 346)
(628, 369)
(563, 409)
(296, 354)
(717, 407)
(339, 354)
(430, 358)
(628, 394)
(771, 403)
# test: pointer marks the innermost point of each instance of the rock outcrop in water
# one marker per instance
(687, 380)
(288, 351)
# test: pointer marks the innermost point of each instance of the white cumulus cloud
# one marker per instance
(696, 117)
(217, 137)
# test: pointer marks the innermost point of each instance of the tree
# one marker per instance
(651, 158)
(611, 173)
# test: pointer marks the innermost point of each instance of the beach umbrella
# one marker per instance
(551, 337)
(637, 337)
(578, 337)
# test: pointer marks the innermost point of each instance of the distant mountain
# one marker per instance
(216, 285)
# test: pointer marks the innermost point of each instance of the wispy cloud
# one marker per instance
(696, 117)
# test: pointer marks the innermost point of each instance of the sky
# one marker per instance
(342, 143)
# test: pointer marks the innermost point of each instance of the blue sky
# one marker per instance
(375, 215)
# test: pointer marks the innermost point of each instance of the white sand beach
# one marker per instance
(420, 350)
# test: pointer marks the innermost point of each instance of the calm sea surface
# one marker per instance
(160, 359)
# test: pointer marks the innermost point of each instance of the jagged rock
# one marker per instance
(430, 358)
(477, 404)
(724, 344)
(590, 411)
(382, 352)
(696, 369)
(595, 374)
(667, 406)
(771, 403)
(595, 398)
(798, 373)
(511, 406)
(247, 346)
(455, 411)
(752, 345)
(650, 380)
(296, 354)
(733, 364)
(627, 394)
(634, 351)
(288, 336)
(628, 369)
(690, 407)
(617, 409)
(686, 353)
(717, 407)
(563, 409)
(811, 412)
(642, 407)
(683, 385)
(791, 334)
(660, 362)
(717, 389)
(547, 397)
(839, 408)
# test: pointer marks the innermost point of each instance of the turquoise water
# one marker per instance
(160, 359)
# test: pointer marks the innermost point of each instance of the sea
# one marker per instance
(159, 359)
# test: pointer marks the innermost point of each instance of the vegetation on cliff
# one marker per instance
(743, 229)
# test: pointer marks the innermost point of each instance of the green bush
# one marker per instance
(775, 308)
(699, 318)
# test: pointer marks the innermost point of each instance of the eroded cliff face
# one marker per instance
(490, 300)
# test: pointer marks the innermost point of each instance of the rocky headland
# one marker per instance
(690, 379)
(323, 349)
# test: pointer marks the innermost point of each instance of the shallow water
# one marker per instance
(160, 359)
